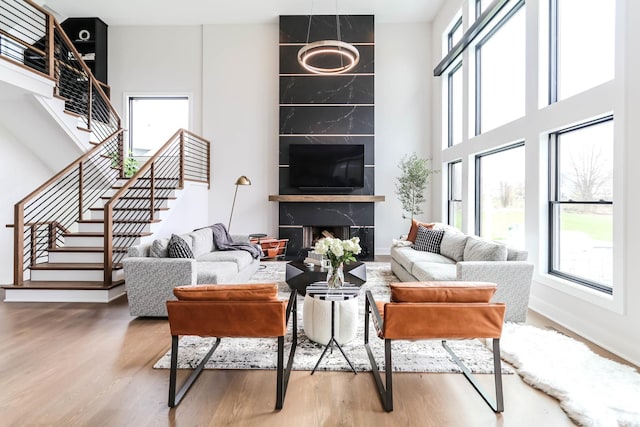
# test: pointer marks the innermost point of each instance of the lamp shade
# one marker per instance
(243, 180)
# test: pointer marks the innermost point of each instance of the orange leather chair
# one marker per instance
(231, 311)
(436, 310)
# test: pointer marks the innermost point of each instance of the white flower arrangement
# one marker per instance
(338, 251)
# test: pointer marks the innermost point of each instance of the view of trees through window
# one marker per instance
(582, 203)
(501, 193)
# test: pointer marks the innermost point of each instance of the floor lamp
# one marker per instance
(243, 180)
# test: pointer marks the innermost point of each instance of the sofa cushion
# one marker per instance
(478, 249)
(428, 271)
(428, 240)
(406, 257)
(413, 231)
(202, 241)
(514, 254)
(244, 292)
(178, 248)
(159, 248)
(453, 243)
(463, 292)
(215, 272)
(240, 258)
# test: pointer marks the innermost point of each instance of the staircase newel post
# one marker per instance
(181, 182)
(152, 202)
(80, 185)
(108, 243)
(51, 51)
(18, 246)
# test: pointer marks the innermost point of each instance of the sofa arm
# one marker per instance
(512, 277)
(150, 281)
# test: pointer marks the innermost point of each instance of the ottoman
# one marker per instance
(316, 320)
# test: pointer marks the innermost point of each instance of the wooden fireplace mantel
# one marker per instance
(325, 198)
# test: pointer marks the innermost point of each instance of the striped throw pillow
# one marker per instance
(178, 248)
(428, 240)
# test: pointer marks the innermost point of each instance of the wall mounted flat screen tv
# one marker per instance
(326, 166)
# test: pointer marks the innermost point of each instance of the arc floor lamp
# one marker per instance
(242, 180)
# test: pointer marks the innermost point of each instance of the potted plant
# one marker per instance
(414, 177)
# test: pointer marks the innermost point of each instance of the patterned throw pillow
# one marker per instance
(428, 240)
(178, 248)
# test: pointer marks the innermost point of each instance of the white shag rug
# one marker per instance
(418, 356)
(592, 390)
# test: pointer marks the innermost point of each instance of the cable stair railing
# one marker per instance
(31, 38)
(89, 210)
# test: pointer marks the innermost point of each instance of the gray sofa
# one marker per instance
(470, 258)
(150, 275)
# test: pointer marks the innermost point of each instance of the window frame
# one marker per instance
(457, 25)
(478, 180)
(554, 202)
(450, 105)
(450, 191)
(478, 62)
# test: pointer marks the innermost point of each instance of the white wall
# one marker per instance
(20, 163)
(240, 93)
(156, 60)
(402, 118)
(608, 321)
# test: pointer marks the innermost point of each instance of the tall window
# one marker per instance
(455, 34)
(152, 121)
(501, 71)
(455, 195)
(582, 45)
(500, 195)
(581, 204)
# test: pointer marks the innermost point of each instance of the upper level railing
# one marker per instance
(30, 37)
(184, 157)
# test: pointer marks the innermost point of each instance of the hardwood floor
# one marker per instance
(75, 364)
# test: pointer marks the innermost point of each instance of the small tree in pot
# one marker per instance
(412, 182)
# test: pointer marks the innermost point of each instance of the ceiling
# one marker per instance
(196, 12)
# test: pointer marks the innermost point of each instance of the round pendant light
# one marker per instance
(328, 57)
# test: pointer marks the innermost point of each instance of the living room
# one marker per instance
(227, 64)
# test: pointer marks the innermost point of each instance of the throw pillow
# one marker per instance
(428, 240)
(413, 231)
(178, 248)
(159, 248)
(478, 249)
(453, 244)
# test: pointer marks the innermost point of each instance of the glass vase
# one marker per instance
(335, 276)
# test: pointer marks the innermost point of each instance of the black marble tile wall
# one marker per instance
(316, 90)
(327, 109)
(353, 28)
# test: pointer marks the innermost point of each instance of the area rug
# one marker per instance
(420, 356)
(592, 390)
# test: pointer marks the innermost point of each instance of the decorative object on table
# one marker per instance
(412, 182)
(339, 252)
(298, 275)
(328, 56)
(272, 248)
(242, 180)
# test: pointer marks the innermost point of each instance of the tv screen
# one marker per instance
(326, 166)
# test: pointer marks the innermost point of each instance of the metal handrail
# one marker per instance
(184, 157)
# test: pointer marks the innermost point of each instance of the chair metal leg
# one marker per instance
(385, 393)
(174, 399)
(282, 373)
(498, 404)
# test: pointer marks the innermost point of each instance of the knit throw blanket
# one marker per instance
(224, 242)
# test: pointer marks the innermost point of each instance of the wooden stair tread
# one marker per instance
(85, 249)
(62, 98)
(83, 129)
(72, 266)
(72, 113)
(75, 285)
(120, 221)
(141, 197)
(101, 234)
(157, 187)
(130, 209)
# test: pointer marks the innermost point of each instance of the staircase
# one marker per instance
(71, 234)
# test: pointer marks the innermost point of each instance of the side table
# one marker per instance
(321, 291)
